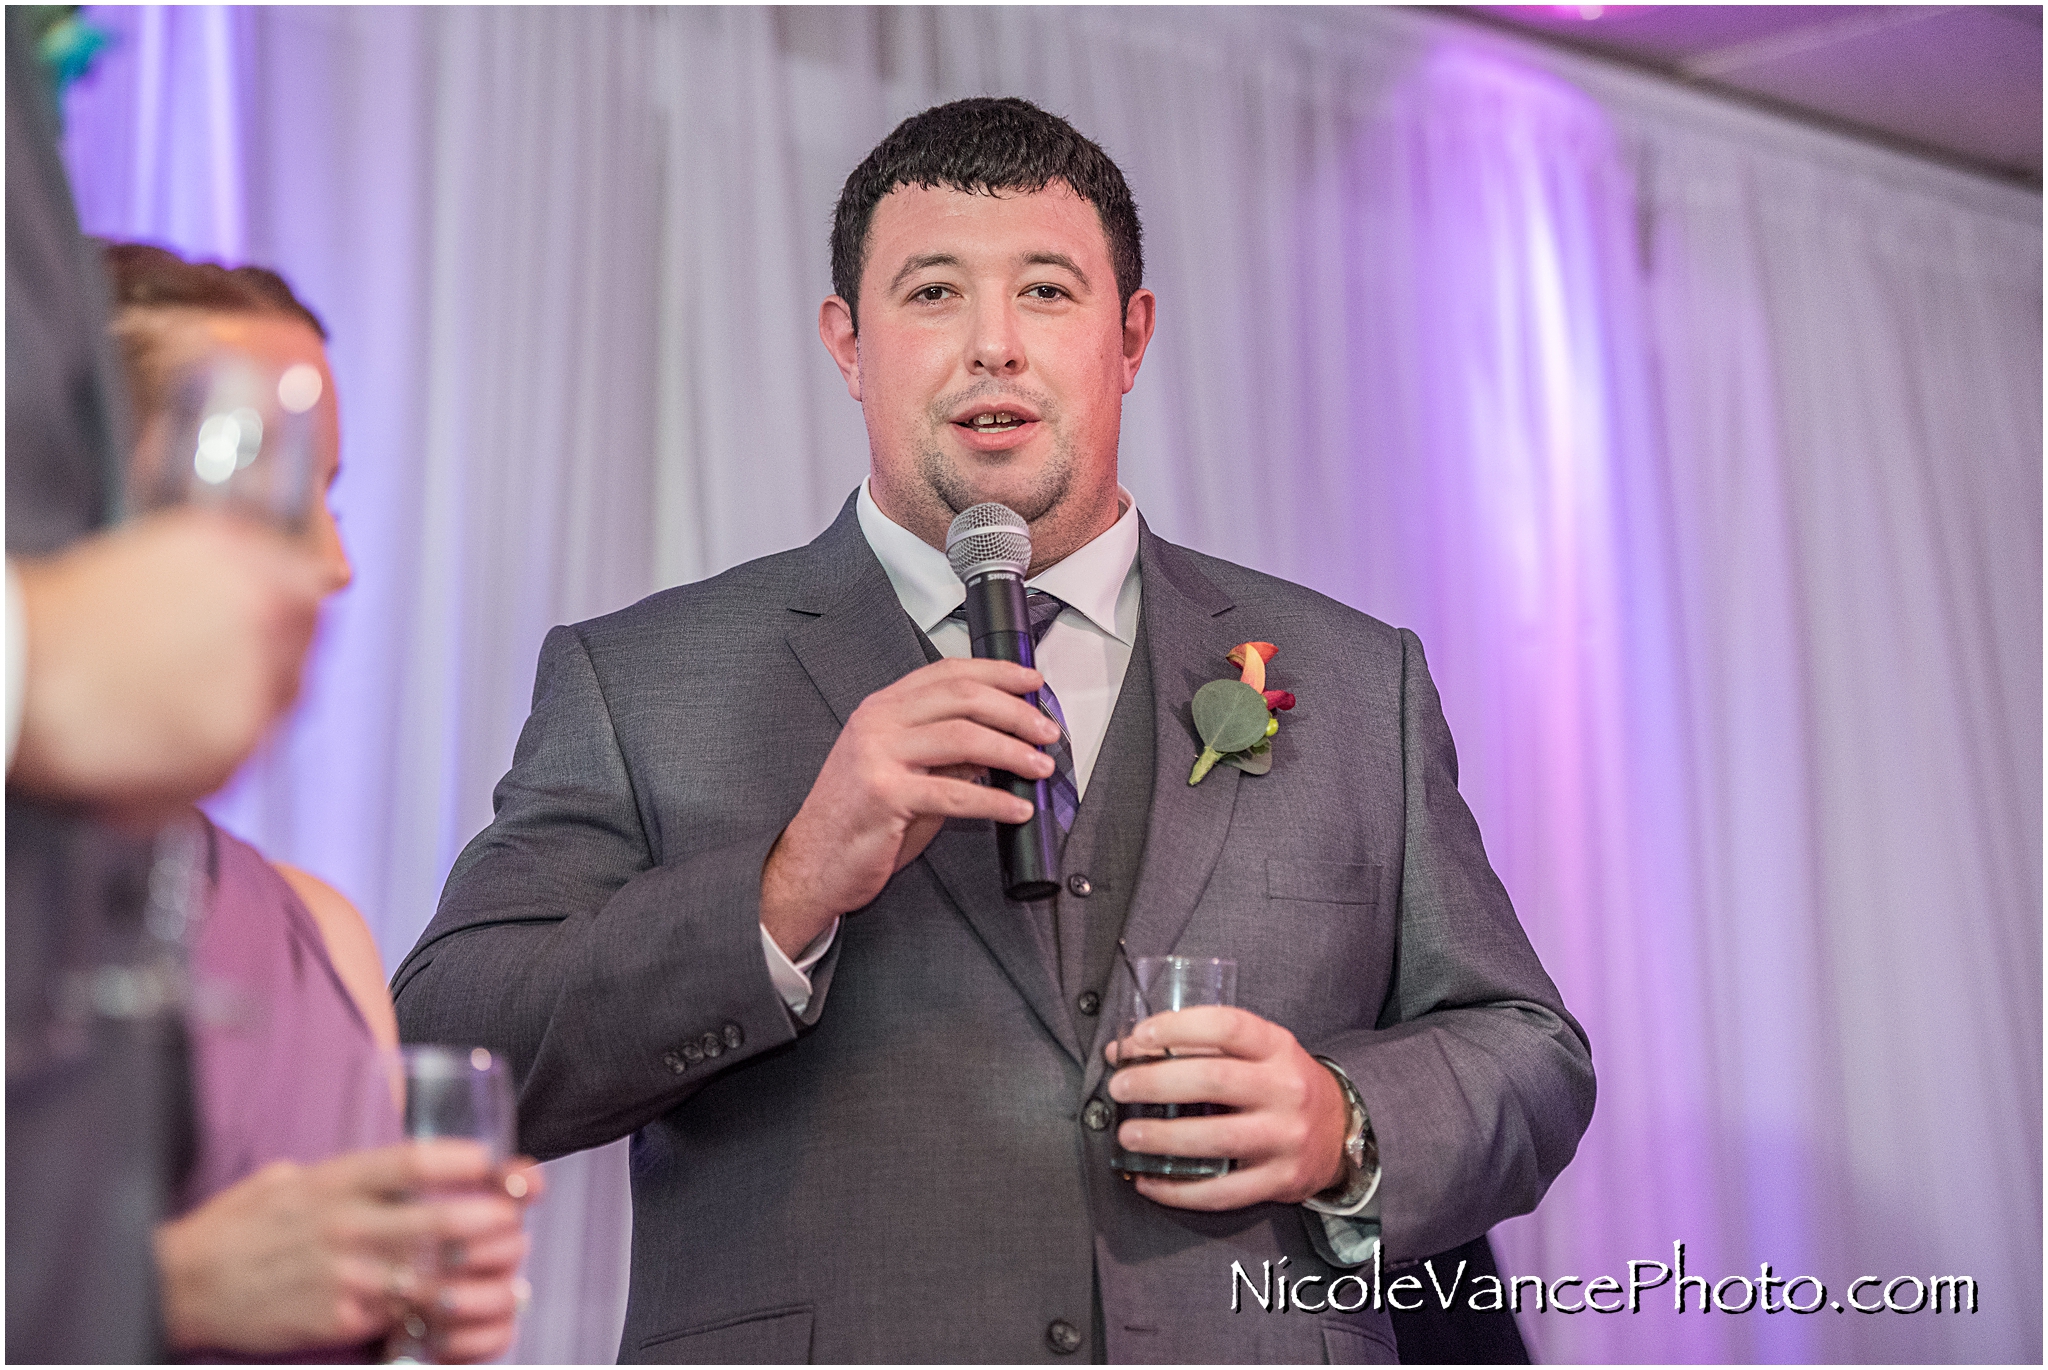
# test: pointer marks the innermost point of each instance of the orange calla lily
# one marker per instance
(1252, 657)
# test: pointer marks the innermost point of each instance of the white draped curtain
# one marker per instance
(1703, 450)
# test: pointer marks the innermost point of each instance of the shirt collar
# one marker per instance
(1089, 579)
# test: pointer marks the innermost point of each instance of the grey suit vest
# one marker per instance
(1099, 865)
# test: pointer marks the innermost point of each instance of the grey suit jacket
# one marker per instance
(910, 1173)
(97, 1106)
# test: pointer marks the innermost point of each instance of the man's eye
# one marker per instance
(1046, 292)
(931, 294)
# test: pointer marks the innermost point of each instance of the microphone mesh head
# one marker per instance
(988, 537)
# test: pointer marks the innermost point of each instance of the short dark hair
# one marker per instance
(985, 145)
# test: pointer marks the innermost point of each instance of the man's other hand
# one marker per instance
(298, 1258)
(904, 763)
(1287, 1135)
(158, 653)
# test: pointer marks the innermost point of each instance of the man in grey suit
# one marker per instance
(741, 898)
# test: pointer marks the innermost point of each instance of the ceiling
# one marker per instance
(1961, 83)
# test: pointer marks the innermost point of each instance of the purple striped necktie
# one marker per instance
(1066, 797)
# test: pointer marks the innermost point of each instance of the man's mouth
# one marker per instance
(1001, 421)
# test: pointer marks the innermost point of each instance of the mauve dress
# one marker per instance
(284, 1063)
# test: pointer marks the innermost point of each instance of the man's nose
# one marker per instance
(997, 348)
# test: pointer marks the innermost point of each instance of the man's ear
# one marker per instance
(1139, 317)
(835, 330)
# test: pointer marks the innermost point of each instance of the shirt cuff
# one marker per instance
(1347, 1242)
(1365, 1205)
(793, 978)
(17, 658)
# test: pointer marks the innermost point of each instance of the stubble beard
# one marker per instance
(943, 476)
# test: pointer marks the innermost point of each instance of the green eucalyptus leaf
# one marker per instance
(1230, 715)
(1256, 761)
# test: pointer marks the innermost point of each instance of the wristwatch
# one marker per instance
(1361, 1155)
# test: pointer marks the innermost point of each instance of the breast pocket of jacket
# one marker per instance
(1322, 882)
(775, 1336)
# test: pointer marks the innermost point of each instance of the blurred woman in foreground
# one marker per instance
(298, 1231)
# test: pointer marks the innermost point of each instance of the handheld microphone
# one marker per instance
(989, 546)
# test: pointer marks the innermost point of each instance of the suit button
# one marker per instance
(1080, 887)
(711, 1046)
(1089, 1003)
(1061, 1337)
(673, 1062)
(692, 1053)
(733, 1036)
(1096, 1115)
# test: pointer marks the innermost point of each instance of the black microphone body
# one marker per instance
(999, 629)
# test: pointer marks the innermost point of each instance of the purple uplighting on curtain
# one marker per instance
(177, 128)
(1702, 451)
(1534, 560)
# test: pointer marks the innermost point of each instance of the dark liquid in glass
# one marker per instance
(1169, 1167)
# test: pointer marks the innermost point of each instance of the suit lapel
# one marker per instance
(1188, 630)
(858, 640)
(855, 638)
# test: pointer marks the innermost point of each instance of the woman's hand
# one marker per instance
(295, 1258)
(480, 1293)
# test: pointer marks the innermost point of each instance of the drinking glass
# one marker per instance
(144, 978)
(236, 432)
(458, 1092)
(447, 1091)
(1161, 984)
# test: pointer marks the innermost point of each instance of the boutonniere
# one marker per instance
(1237, 718)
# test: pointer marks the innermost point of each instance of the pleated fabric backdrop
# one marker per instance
(1702, 449)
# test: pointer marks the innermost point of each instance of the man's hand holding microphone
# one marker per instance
(906, 761)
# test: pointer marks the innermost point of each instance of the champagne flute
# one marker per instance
(446, 1091)
(238, 433)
